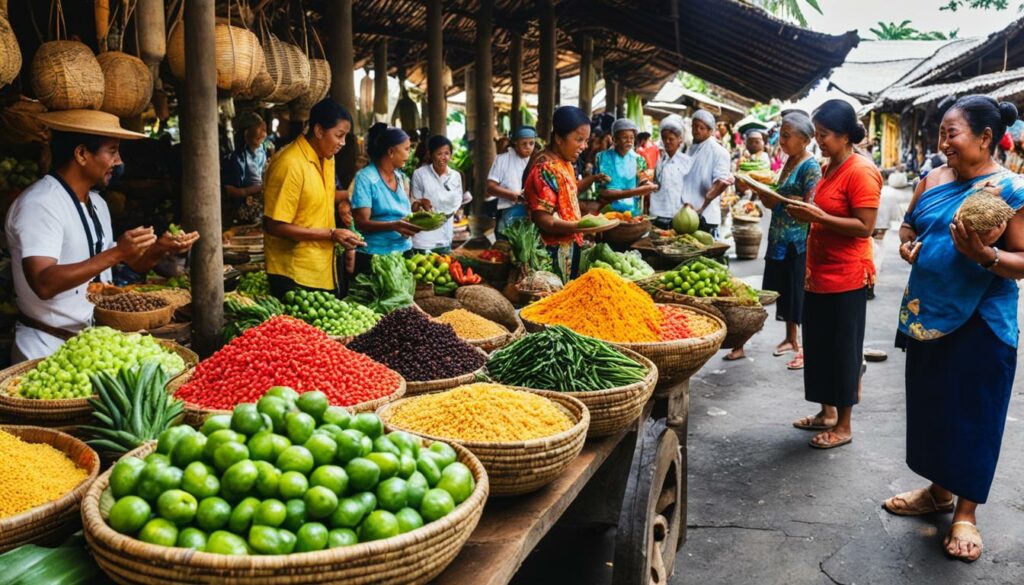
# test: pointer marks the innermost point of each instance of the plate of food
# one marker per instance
(595, 224)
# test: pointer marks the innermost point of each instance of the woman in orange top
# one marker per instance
(551, 190)
(840, 269)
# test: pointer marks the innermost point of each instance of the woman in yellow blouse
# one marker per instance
(299, 205)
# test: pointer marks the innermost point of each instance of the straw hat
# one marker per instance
(87, 122)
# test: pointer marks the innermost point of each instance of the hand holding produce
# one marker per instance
(427, 220)
(986, 213)
(592, 221)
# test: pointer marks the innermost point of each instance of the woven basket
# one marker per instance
(67, 413)
(742, 321)
(767, 297)
(52, 522)
(627, 233)
(523, 466)
(195, 415)
(237, 51)
(414, 557)
(19, 124)
(288, 68)
(10, 53)
(319, 84)
(129, 322)
(67, 76)
(128, 84)
(499, 341)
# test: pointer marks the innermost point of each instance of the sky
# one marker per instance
(840, 16)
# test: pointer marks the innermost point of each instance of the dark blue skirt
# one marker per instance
(958, 392)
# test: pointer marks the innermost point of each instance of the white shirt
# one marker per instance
(446, 196)
(710, 163)
(507, 171)
(669, 174)
(43, 222)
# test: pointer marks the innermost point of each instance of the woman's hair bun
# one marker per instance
(1008, 113)
(858, 134)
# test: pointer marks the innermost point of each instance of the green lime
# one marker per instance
(188, 449)
(265, 540)
(311, 536)
(406, 443)
(436, 503)
(368, 424)
(218, 438)
(296, 514)
(323, 448)
(341, 537)
(129, 514)
(336, 415)
(313, 403)
(239, 479)
(241, 516)
(296, 458)
(378, 525)
(332, 431)
(229, 454)
(320, 501)
(261, 446)
(408, 519)
(281, 443)
(292, 485)
(287, 541)
(270, 513)
(274, 407)
(365, 446)
(213, 514)
(169, 438)
(331, 477)
(418, 486)
(214, 423)
(427, 466)
(160, 532)
(393, 494)
(349, 446)
(246, 419)
(157, 459)
(125, 476)
(191, 538)
(267, 480)
(383, 444)
(178, 506)
(226, 543)
(407, 466)
(367, 499)
(457, 480)
(200, 480)
(388, 463)
(348, 514)
(444, 453)
(299, 427)
(363, 474)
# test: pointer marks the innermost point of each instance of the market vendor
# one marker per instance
(673, 164)
(630, 181)
(60, 235)
(299, 205)
(380, 202)
(441, 187)
(710, 175)
(505, 179)
(551, 190)
(242, 172)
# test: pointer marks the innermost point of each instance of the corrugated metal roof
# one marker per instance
(873, 66)
(925, 94)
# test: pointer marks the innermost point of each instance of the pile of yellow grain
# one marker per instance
(483, 413)
(469, 325)
(33, 474)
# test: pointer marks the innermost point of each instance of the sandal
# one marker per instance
(781, 352)
(729, 357)
(808, 423)
(964, 532)
(916, 503)
(797, 363)
(829, 445)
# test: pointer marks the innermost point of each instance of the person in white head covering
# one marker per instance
(710, 175)
(626, 169)
(673, 165)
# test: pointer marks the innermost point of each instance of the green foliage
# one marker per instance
(693, 83)
(954, 5)
(891, 31)
(635, 110)
(790, 10)
(765, 112)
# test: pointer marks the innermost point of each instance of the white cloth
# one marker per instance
(507, 171)
(43, 222)
(669, 175)
(710, 163)
(445, 195)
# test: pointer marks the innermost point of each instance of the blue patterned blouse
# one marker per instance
(784, 230)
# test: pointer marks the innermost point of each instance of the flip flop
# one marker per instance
(733, 359)
(782, 352)
(964, 532)
(797, 363)
(811, 426)
(833, 445)
(916, 503)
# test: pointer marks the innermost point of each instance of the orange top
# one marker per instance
(551, 186)
(838, 263)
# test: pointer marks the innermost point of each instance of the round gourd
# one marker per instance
(686, 221)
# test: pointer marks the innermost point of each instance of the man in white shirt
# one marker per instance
(673, 165)
(505, 180)
(60, 235)
(710, 174)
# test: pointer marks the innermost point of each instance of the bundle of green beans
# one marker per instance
(563, 360)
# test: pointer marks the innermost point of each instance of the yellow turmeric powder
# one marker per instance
(481, 412)
(601, 304)
(33, 474)
(471, 326)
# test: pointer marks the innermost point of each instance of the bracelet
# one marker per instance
(330, 235)
(994, 262)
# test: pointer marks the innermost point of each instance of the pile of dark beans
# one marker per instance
(131, 303)
(416, 347)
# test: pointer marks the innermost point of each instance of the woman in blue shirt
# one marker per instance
(380, 203)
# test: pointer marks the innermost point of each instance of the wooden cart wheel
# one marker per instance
(650, 524)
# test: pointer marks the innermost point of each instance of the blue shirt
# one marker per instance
(623, 172)
(244, 167)
(370, 191)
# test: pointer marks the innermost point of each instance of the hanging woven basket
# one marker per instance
(128, 84)
(10, 53)
(67, 76)
(288, 67)
(319, 84)
(19, 124)
(237, 52)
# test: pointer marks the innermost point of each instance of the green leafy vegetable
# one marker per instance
(389, 286)
(527, 247)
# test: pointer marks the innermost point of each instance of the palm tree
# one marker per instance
(788, 9)
(894, 32)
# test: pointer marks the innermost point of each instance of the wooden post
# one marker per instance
(611, 94)
(587, 74)
(483, 146)
(380, 81)
(515, 56)
(341, 57)
(200, 163)
(548, 55)
(436, 101)
(102, 14)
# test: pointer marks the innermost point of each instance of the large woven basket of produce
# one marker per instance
(548, 432)
(629, 230)
(416, 388)
(54, 391)
(389, 522)
(480, 331)
(614, 383)
(46, 474)
(133, 311)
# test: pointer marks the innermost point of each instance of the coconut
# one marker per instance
(488, 303)
(985, 211)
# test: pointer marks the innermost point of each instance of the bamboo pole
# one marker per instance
(380, 81)
(437, 103)
(341, 57)
(587, 74)
(548, 55)
(483, 152)
(101, 11)
(516, 65)
(201, 200)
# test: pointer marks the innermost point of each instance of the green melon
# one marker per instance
(686, 221)
(704, 237)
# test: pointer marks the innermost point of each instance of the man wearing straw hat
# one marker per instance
(60, 236)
